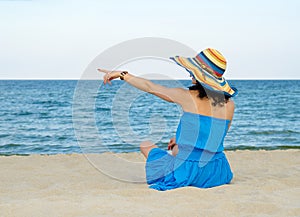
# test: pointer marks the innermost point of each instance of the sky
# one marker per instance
(58, 39)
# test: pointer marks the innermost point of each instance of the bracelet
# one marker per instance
(123, 74)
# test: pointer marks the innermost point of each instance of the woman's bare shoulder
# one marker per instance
(230, 109)
(230, 104)
(183, 92)
(182, 96)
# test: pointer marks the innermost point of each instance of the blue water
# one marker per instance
(37, 117)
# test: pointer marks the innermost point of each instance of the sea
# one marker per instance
(74, 116)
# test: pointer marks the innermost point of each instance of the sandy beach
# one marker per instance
(266, 183)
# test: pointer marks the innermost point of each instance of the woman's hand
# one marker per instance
(172, 143)
(109, 75)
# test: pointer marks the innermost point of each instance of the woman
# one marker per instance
(197, 151)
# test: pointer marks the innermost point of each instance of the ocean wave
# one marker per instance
(272, 132)
(10, 145)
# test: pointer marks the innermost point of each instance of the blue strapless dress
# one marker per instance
(200, 161)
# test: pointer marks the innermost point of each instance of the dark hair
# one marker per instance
(217, 97)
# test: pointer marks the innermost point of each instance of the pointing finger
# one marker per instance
(103, 70)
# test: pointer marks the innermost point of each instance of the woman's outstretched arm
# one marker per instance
(175, 95)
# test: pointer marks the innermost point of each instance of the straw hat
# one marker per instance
(208, 68)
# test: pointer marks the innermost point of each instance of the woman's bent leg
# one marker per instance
(146, 147)
(175, 150)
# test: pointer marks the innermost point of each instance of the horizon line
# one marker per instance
(3, 79)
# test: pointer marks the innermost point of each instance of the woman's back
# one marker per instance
(199, 132)
(204, 106)
(200, 160)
